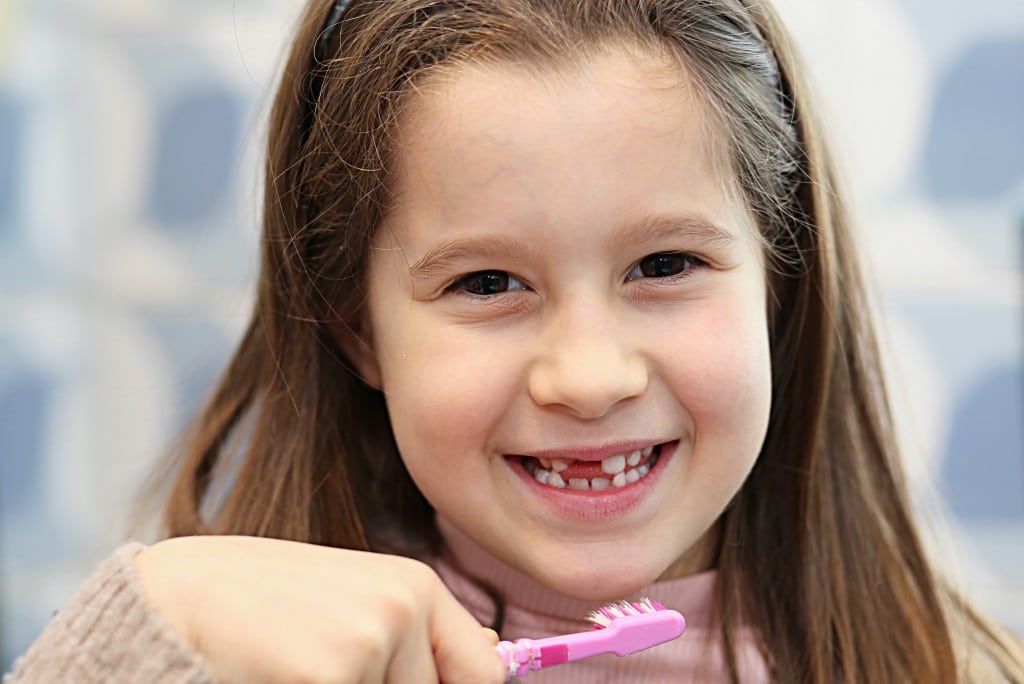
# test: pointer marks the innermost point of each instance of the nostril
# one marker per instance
(587, 377)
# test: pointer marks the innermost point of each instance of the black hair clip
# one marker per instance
(315, 76)
(330, 28)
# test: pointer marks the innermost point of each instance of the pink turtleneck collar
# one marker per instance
(532, 610)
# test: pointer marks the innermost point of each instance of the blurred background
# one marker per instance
(130, 141)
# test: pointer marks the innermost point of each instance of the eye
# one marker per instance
(664, 265)
(485, 283)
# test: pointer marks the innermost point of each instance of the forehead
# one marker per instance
(455, 101)
(493, 133)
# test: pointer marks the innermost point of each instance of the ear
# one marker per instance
(356, 341)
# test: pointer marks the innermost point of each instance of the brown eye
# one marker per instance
(662, 265)
(483, 283)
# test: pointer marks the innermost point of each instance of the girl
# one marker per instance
(558, 304)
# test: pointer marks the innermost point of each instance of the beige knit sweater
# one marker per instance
(109, 632)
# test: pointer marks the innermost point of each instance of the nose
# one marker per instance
(586, 364)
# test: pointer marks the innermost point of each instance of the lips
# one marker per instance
(595, 504)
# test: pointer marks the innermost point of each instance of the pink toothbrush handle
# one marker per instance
(624, 636)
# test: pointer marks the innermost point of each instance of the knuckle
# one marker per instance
(400, 611)
(406, 602)
(419, 575)
(369, 644)
(322, 672)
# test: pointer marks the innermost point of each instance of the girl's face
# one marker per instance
(565, 287)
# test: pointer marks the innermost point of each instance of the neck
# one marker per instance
(491, 576)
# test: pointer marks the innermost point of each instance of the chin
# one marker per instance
(586, 582)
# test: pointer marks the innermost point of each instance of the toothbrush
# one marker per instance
(620, 628)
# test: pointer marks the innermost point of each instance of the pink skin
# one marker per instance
(561, 179)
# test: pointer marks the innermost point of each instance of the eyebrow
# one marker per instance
(440, 257)
(702, 230)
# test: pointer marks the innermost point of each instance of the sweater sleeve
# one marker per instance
(110, 632)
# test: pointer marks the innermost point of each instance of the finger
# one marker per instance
(366, 651)
(492, 635)
(413, 661)
(463, 650)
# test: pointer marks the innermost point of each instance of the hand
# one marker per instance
(267, 610)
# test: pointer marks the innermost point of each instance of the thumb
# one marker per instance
(464, 652)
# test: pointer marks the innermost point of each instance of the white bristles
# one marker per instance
(603, 617)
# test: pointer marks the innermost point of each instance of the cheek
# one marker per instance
(724, 374)
(444, 392)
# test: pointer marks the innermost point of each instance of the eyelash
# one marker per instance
(690, 263)
(460, 284)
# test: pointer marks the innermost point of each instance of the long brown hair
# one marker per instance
(818, 550)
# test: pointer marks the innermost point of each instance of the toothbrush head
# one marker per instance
(603, 617)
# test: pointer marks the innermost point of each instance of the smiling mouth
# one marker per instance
(613, 472)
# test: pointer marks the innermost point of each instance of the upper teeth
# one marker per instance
(611, 465)
(551, 470)
(615, 464)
